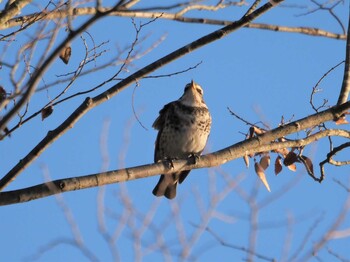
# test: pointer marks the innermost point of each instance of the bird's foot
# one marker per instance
(195, 157)
(170, 162)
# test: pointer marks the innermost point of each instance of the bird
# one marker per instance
(183, 129)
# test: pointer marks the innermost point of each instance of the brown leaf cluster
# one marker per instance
(285, 157)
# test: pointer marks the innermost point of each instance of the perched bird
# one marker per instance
(184, 127)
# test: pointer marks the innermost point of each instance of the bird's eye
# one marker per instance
(199, 91)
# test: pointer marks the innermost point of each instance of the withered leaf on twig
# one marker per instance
(278, 165)
(258, 131)
(265, 161)
(292, 167)
(65, 54)
(260, 172)
(46, 112)
(290, 159)
(341, 121)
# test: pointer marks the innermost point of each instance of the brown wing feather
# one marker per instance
(183, 175)
(156, 151)
(159, 122)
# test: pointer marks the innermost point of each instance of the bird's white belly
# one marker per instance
(184, 142)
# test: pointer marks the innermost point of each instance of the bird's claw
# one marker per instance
(195, 157)
(170, 162)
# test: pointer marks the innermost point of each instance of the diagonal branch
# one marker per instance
(90, 103)
(257, 144)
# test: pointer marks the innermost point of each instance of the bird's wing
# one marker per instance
(159, 122)
(159, 125)
(156, 150)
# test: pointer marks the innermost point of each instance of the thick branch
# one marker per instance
(257, 144)
(90, 103)
(345, 89)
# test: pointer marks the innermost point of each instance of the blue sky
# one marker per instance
(260, 75)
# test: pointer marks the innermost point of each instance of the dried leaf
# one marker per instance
(308, 164)
(246, 160)
(65, 54)
(258, 131)
(292, 167)
(46, 112)
(278, 165)
(290, 159)
(260, 172)
(341, 121)
(265, 161)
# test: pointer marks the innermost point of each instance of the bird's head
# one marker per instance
(193, 95)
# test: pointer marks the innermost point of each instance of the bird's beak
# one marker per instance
(192, 83)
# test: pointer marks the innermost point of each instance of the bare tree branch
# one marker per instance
(301, 30)
(345, 89)
(169, 16)
(160, 228)
(326, 236)
(253, 7)
(251, 253)
(12, 10)
(260, 143)
(90, 103)
(329, 10)
(330, 156)
(63, 241)
(35, 78)
(316, 89)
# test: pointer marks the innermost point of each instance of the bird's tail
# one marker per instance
(166, 186)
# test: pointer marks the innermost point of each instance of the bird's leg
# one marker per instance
(195, 157)
(170, 162)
